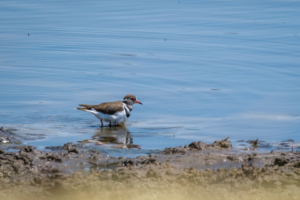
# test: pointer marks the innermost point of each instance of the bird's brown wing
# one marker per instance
(109, 108)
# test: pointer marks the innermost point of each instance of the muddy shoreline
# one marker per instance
(180, 172)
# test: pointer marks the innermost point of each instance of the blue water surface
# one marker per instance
(204, 70)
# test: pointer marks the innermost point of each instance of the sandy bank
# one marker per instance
(196, 171)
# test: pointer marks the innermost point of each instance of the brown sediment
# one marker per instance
(196, 171)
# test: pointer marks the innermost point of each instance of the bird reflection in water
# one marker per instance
(115, 137)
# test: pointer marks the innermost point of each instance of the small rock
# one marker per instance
(232, 158)
(73, 149)
(37, 180)
(281, 161)
(128, 163)
(222, 144)
(198, 145)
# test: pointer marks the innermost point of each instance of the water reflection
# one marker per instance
(115, 137)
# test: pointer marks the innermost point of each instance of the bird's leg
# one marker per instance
(101, 122)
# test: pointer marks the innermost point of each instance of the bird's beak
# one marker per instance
(138, 102)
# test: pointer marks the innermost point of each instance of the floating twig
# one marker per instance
(255, 143)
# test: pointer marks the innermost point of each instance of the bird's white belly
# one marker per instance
(115, 119)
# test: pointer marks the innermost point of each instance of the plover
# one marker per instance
(115, 113)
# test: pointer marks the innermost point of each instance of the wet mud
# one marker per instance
(195, 171)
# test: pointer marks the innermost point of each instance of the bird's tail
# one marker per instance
(83, 109)
(87, 108)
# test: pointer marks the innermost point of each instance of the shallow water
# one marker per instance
(204, 70)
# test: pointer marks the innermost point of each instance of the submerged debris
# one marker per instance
(255, 142)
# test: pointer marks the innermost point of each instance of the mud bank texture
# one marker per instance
(196, 171)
